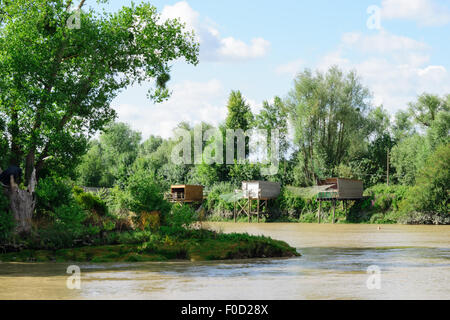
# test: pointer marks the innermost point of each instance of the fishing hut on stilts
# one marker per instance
(259, 192)
(338, 189)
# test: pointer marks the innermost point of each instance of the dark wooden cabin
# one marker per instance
(186, 193)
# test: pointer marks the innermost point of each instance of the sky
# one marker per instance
(399, 48)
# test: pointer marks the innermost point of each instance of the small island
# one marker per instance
(202, 245)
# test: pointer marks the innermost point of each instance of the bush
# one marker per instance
(179, 218)
(142, 194)
(386, 198)
(430, 195)
(51, 193)
(6, 218)
(90, 202)
(290, 204)
(216, 201)
(70, 218)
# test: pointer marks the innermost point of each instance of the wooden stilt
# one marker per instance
(334, 209)
(234, 209)
(249, 209)
(319, 212)
(258, 210)
(345, 209)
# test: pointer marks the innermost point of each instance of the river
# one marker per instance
(406, 262)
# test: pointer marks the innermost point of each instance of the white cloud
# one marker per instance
(396, 69)
(191, 101)
(425, 12)
(213, 46)
(239, 50)
(382, 42)
(182, 11)
(291, 68)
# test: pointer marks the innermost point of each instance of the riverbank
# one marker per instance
(202, 246)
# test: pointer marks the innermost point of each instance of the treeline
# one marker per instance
(327, 126)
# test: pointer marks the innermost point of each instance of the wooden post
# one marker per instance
(258, 210)
(259, 196)
(319, 212)
(234, 209)
(345, 208)
(334, 209)
(249, 208)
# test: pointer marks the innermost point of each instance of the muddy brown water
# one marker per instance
(413, 263)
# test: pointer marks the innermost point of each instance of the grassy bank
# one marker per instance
(201, 245)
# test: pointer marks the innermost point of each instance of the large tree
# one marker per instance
(328, 112)
(57, 79)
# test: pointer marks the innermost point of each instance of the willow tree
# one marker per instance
(60, 69)
(329, 114)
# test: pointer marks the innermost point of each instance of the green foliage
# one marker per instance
(178, 219)
(382, 205)
(216, 200)
(6, 218)
(69, 218)
(427, 107)
(408, 157)
(51, 193)
(205, 174)
(50, 113)
(244, 172)
(90, 202)
(239, 113)
(431, 194)
(274, 116)
(92, 171)
(386, 197)
(143, 195)
(108, 161)
(290, 203)
(329, 114)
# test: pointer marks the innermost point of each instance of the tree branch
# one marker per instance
(81, 4)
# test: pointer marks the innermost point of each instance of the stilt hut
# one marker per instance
(185, 193)
(339, 189)
(254, 191)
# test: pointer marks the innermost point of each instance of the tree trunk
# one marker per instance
(22, 203)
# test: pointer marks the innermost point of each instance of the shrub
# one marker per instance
(90, 202)
(385, 198)
(290, 204)
(142, 194)
(217, 198)
(179, 218)
(430, 195)
(51, 193)
(70, 218)
(6, 218)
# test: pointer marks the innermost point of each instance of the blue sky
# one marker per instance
(257, 46)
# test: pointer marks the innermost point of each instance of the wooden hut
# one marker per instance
(259, 191)
(186, 193)
(263, 190)
(339, 189)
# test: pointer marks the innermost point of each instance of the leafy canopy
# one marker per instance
(57, 83)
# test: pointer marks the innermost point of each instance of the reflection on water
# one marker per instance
(414, 263)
